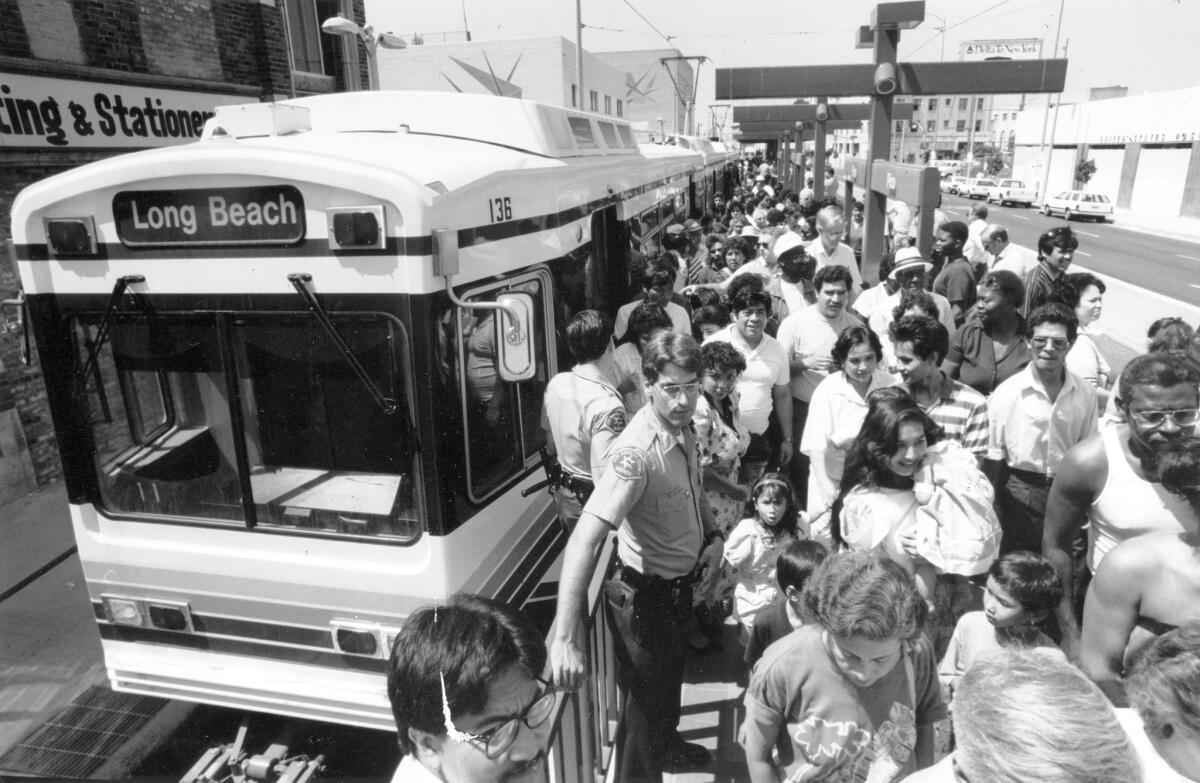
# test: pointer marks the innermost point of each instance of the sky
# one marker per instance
(1145, 45)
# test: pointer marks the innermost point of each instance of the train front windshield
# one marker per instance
(255, 421)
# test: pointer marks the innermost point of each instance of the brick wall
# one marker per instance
(13, 40)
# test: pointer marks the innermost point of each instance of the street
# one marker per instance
(1166, 266)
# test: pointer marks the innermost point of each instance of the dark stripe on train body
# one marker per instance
(328, 659)
(536, 573)
(315, 248)
(534, 565)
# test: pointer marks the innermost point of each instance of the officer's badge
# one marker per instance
(628, 463)
(615, 421)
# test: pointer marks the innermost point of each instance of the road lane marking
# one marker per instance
(1189, 258)
(1193, 285)
(1018, 217)
(1081, 253)
(1086, 234)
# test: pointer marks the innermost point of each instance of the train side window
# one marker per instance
(502, 419)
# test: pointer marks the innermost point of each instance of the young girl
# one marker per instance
(755, 543)
(853, 696)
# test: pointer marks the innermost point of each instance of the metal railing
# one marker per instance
(584, 732)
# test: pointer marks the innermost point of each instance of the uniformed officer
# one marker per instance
(583, 412)
(651, 494)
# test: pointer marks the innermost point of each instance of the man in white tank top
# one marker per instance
(1110, 480)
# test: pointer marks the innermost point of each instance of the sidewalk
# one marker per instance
(49, 647)
(1184, 228)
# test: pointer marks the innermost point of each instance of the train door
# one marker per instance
(611, 268)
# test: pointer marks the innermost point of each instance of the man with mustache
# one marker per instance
(1110, 480)
(652, 496)
(1034, 418)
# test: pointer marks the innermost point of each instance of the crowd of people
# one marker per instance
(921, 502)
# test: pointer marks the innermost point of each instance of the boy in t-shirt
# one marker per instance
(1022, 590)
(793, 567)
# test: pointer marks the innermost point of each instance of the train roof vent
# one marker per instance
(510, 122)
(245, 120)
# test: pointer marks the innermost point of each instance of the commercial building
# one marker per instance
(1146, 149)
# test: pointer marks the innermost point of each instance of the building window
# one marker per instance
(593, 100)
(620, 108)
(933, 104)
(979, 104)
(947, 102)
(899, 126)
(311, 51)
(945, 124)
(574, 96)
(978, 125)
(931, 126)
(608, 104)
(960, 126)
(962, 104)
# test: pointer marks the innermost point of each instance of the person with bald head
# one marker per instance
(828, 248)
(1004, 255)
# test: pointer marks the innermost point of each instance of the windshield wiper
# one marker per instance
(299, 281)
(97, 343)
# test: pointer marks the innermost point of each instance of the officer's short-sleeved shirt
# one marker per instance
(651, 493)
(584, 413)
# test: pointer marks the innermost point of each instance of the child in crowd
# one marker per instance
(755, 543)
(854, 695)
(1022, 590)
(793, 568)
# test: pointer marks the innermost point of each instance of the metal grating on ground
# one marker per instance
(78, 739)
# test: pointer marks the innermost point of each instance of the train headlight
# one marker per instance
(356, 228)
(72, 237)
(169, 616)
(124, 611)
(357, 638)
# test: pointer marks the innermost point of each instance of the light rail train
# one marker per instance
(296, 371)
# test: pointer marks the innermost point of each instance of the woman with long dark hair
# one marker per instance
(876, 506)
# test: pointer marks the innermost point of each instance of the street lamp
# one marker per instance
(340, 25)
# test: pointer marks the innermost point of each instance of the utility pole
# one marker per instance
(1046, 117)
(689, 103)
(579, 49)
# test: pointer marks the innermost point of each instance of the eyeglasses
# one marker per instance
(677, 390)
(1183, 418)
(1057, 343)
(496, 741)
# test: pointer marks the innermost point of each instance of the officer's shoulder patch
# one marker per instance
(628, 463)
(615, 421)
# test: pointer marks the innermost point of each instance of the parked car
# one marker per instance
(953, 184)
(1076, 203)
(978, 187)
(1011, 191)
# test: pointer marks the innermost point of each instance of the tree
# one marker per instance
(1084, 171)
(995, 164)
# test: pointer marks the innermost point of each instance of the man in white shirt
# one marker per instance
(829, 249)
(973, 250)
(658, 286)
(807, 338)
(910, 272)
(1005, 255)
